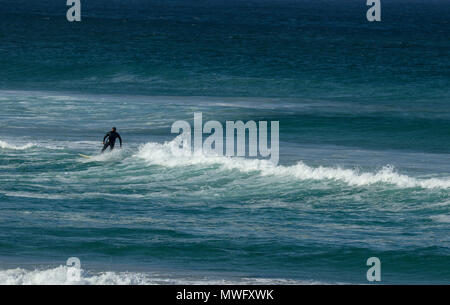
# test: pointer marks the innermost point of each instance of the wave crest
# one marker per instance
(59, 276)
(25, 146)
(5, 145)
(169, 154)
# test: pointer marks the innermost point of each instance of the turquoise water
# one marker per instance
(364, 126)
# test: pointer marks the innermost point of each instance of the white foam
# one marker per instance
(6, 145)
(60, 276)
(25, 146)
(169, 154)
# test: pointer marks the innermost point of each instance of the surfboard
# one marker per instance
(85, 156)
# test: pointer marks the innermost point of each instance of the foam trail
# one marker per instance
(170, 154)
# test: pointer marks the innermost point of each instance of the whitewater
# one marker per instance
(172, 154)
(59, 276)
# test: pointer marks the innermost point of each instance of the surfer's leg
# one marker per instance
(105, 146)
(111, 145)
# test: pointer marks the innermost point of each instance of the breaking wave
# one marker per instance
(61, 276)
(170, 154)
(25, 146)
(6, 145)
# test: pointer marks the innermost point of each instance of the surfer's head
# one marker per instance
(114, 129)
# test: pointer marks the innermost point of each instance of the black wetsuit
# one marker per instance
(112, 136)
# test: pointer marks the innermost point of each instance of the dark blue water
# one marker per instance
(364, 126)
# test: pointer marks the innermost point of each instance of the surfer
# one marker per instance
(112, 136)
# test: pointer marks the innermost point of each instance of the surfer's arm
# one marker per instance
(104, 138)
(120, 139)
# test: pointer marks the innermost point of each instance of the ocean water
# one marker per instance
(364, 171)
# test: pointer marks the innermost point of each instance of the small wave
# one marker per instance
(131, 78)
(41, 195)
(5, 145)
(33, 195)
(441, 218)
(169, 154)
(25, 146)
(60, 97)
(60, 276)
